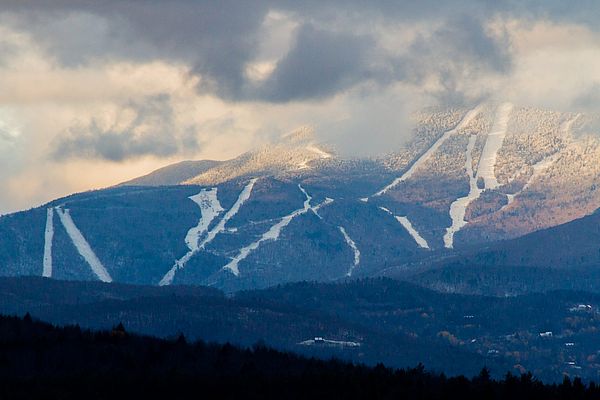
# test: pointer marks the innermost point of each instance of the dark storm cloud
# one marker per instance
(152, 132)
(217, 40)
(320, 63)
(214, 35)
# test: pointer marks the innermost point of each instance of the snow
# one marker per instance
(220, 227)
(543, 165)
(436, 145)
(546, 163)
(313, 149)
(510, 199)
(487, 164)
(210, 207)
(352, 245)
(413, 232)
(318, 151)
(406, 224)
(493, 143)
(48, 236)
(567, 125)
(271, 235)
(326, 202)
(458, 208)
(538, 169)
(82, 246)
(303, 165)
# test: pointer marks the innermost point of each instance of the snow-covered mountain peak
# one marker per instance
(468, 176)
(295, 153)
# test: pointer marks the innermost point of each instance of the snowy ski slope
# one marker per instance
(82, 246)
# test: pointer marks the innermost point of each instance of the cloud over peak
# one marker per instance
(129, 83)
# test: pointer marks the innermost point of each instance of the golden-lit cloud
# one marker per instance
(91, 95)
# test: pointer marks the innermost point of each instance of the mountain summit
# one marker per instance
(295, 210)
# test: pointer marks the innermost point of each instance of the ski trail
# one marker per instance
(82, 246)
(493, 143)
(538, 169)
(413, 232)
(406, 224)
(458, 208)
(352, 245)
(48, 237)
(314, 149)
(326, 202)
(210, 207)
(485, 171)
(541, 166)
(566, 126)
(220, 227)
(318, 151)
(436, 145)
(271, 235)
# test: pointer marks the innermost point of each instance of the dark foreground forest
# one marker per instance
(38, 360)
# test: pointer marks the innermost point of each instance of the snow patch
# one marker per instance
(273, 233)
(210, 207)
(82, 246)
(303, 165)
(469, 116)
(318, 151)
(458, 208)
(326, 202)
(485, 171)
(220, 227)
(510, 199)
(493, 143)
(567, 125)
(352, 245)
(48, 237)
(314, 149)
(413, 232)
(541, 166)
(406, 224)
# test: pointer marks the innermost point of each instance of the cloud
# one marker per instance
(129, 85)
(320, 64)
(141, 129)
(447, 61)
(589, 99)
(333, 48)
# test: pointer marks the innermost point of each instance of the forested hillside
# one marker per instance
(369, 321)
(38, 360)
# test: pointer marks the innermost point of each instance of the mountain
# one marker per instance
(295, 210)
(173, 174)
(562, 257)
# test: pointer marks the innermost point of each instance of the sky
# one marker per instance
(95, 92)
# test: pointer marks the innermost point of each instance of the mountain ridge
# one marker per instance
(298, 211)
